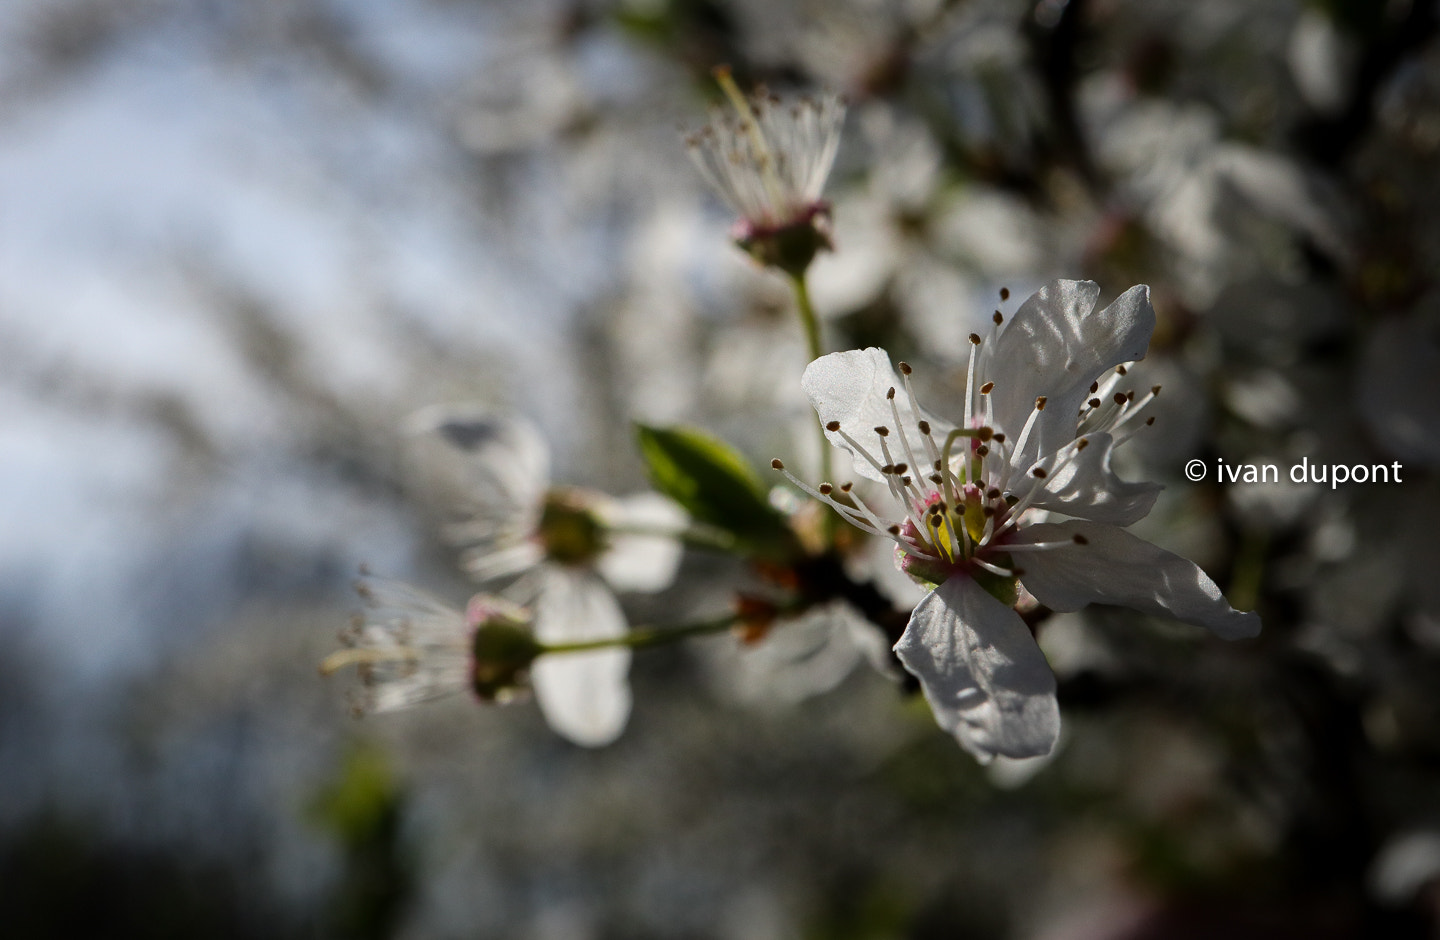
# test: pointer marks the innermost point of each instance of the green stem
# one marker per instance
(694, 536)
(641, 638)
(811, 324)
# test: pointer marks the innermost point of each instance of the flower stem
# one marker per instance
(695, 536)
(811, 324)
(641, 638)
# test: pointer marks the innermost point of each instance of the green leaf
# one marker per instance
(716, 486)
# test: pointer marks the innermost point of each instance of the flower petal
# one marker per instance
(1115, 567)
(490, 472)
(1056, 347)
(585, 696)
(984, 677)
(1080, 483)
(852, 387)
(645, 558)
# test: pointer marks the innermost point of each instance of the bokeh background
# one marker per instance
(240, 242)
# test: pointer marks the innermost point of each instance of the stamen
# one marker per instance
(861, 519)
(855, 445)
(1024, 438)
(904, 438)
(995, 569)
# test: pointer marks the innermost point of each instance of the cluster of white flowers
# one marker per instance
(1016, 494)
(555, 555)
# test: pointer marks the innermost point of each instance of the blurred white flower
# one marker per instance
(1040, 419)
(769, 161)
(560, 550)
(410, 647)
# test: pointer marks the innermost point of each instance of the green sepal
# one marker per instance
(717, 487)
(1005, 590)
(503, 651)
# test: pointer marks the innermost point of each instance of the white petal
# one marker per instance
(490, 472)
(984, 677)
(851, 387)
(1056, 346)
(644, 559)
(585, 696)
(1115, 567)
(802, 657)
(1085, 487)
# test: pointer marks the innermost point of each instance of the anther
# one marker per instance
(905, 368)
(1038, 473)
(987, 388)
(1120, 398)
(901, 467)
(987, 511)
(1040, 403)
(1149, 421)
(938, 465)
(888, 469)
(992, 493)
(1081, 540)
(777, 464)
(826, 489)
(985, 433)
(1120, 370)
(1011, 499)
(883, 431)
(832, 426)
(1083, 443)
(1004, 293)
(893, 530)
(1094, 403)
(924, 426)
(999, 318)
(937, 479)
(890, 395)
(1094, 387)
(1154, 390)
(982, 451)
(846, 487)
(999, 438)
(975, 339)
(904, 481)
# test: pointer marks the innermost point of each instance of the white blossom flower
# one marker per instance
(411, 648)
(1044, 408)
(560, 550)
(769, 161)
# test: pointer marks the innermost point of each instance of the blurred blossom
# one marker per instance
(1322, 61)
(559, 550)
(1405, 865)
(1224, 210)
(769, 160)
(969, 526)
(807, 655)
(912, 235)
(410, 648)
